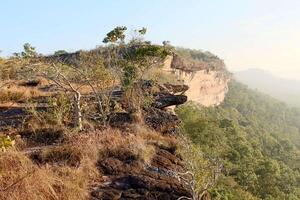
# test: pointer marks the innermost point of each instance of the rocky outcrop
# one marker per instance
(163, 100)
(125, 175)
(162, 121)
(156, 115)
(207, 82)
(132, 179)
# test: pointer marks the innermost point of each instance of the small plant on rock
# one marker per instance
(6, 142)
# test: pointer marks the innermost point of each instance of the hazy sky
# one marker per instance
(245, 33)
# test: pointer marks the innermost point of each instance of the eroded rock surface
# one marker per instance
(207, 82)
(132, 179)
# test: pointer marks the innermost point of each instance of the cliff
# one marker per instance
(207, 81)
(133, 151)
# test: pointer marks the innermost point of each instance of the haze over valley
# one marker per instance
(286, 90)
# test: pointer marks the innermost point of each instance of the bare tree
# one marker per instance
(57, 76)
(189, 180)
(202, 172)
(86, 76)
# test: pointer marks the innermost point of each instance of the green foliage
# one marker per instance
(203, 170)
(139, 59)
(58, 113)
(145, 51)
(148, 101)
(6, 142)
(197, 54)
(228, 189)
(29, 51)
(60, 52)
(132, 59)
(258, 139)
(142, 31)
(130, 75)
(117, 34)
(60, 109)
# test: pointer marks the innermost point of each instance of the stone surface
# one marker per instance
(207, 84)
(162, 121)
(136, 180)
(163, 100)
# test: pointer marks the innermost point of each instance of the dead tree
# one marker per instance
(202, 172)
(55, 74)
(188, 179)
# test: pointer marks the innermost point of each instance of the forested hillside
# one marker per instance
(257, 139)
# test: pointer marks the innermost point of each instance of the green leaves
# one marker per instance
(29, 51)
(130, 74)
(258, 138)
(142, 31)
(151, 51)
(117, 34)
(6, 142)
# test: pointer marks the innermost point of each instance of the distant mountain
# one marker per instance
(286, 90)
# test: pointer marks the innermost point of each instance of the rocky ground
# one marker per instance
(124, 175)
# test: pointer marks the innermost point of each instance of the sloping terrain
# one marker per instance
(100, 124)
(258, 139)
(130, 160)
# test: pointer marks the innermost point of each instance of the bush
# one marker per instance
(6, 142)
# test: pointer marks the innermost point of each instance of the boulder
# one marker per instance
(162, 121)
(163, 100)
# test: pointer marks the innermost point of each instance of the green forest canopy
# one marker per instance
(258, 139)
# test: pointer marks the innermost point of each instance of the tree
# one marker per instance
(253, 135)
(130, 60)
(87, 76)
(60, 52)
(136, 56)
(142, 31)
(29, 51)
(116, 35)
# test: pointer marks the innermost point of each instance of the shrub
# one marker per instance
(6, 142)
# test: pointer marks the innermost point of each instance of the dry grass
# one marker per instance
(69, 171)
(16, 93)
(125, 146)
(22, 179)
(161, 76)
(155, 138)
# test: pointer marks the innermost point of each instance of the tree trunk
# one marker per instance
(77, 111)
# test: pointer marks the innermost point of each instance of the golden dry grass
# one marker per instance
(12, 93)
(60, 177)
(121, 145)
(22, 179)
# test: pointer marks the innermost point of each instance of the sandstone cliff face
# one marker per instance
(207, 81)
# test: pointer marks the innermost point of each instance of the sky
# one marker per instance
(261, 34)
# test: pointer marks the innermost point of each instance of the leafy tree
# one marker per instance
(115, 35)
(256, 136)
(29, 51)
(142, 31)
(60, 52)
(130, 60)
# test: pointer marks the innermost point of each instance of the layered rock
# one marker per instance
(132, 179)
(127, 177)
(207, 82)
